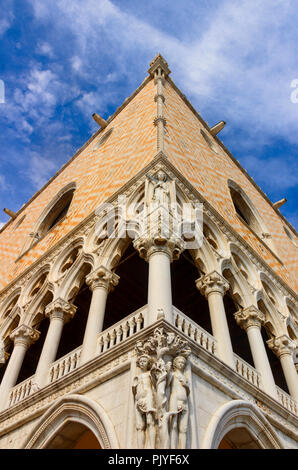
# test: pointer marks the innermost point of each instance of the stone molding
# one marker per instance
(102, 277)
(282, 345)
(24, 335)
(61, 309)
(212, 282)
(249, 316)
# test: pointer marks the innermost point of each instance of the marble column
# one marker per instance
(23, 336)
(251, 320)
(101, 282)
(59, 312)
(159, 253)
(214, 286)
(284, 348)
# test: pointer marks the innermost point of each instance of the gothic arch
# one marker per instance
(75, 277)
(71, 248)
(12, 298)
(73, 408)
(43, 272)
(251, 275)
(240, 414)
(248, 213)
(61, 201)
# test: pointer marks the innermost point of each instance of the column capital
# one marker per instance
(61, 309)
(24, 335)
(281, 345)
(212, 282)
(102, 277)
(249, 316)
(146, 247)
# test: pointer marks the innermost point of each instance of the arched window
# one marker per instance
(56, 212)
(248, 214)
(51, 216)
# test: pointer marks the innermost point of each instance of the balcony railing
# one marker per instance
(194, 331)
(65, 364)
(122, 330)
(247, 371)
(287, 401)
(21, 391)
(125, 329)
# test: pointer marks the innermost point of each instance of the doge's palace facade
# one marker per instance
(147, 294)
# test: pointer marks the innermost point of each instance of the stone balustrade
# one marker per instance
(21, 391)
(121, 331)
(248, 372)
(287, 401)
(194, 331)
(65, 365)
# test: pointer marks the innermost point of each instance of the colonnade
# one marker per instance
(159, 254)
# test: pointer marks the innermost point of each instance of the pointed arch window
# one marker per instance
(56, 212)
(248, 214)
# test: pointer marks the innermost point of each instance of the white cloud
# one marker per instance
(7, 18)
(39, 170)
(275, 173)
(44, 48)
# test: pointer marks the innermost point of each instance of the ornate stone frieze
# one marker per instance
(249, 316)
(161, 391)
(212, 282)
(102, 277)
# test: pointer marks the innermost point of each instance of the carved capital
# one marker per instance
(282, 345)
(157, 244)
(24, 335)
(61, 309)
(249, 316)
(212, 282)
(102, 277)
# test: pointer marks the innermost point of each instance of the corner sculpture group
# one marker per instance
(161, 391)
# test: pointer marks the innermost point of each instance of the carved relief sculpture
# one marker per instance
(161, 391)
(143, 390)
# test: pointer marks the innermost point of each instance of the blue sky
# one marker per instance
(62, 60)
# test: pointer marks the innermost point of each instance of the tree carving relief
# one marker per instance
(161, 391)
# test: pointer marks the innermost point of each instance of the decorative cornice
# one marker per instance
(249, 316)
(212, 282)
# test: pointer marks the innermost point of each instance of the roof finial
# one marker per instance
(159, 66)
